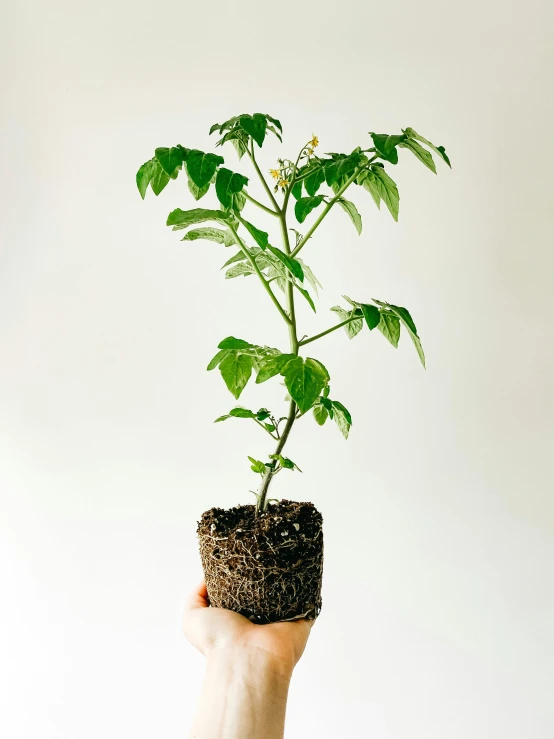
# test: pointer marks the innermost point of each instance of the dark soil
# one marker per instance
(269, 566)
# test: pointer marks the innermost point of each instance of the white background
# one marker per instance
(438, 594)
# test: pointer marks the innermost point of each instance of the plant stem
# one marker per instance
(262, 178)
(257, 270)
(328, 331)
(260, 205)
(329, 205)
(294, 346)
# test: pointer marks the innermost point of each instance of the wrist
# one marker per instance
(250, 664)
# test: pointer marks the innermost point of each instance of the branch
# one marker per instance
(262, 178)
(330, 204)
(257, 270)
(328, 331)
(260, 205)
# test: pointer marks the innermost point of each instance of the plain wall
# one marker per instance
(438, 592)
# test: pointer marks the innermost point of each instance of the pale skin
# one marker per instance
(248, 670)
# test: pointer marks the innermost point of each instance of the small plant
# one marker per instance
(307, 380)
(310, 186)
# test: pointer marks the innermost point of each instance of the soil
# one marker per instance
(269, 566)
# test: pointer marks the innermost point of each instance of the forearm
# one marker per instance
(244, 696)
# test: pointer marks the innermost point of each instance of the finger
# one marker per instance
(198, 598)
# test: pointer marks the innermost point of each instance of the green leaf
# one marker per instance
(171, 158)
(342, 418)
(438, 149)
(241, 413)
(297, 190)
(144, 175)
(293, 266)
(180, 219)
(308, 297)
(386, 187)
(320, 414)
(269, 427)
(273, 366)
(236, 369)
(354, 327)
(262, 414)
(217, 359)
(369, 182)
(222, 418)
(201, 166)
(389, 326)
(275, 122)
(160, 178)
(260, 237)
(406, 319)
(255, 126)
(195, 191)
(210, 234)
(422, 154)
(257, 466)
(232, 343)
(238, 257)
(227, 184)
(304, 206)
(309, 275)
(352, 211)
(305, 379)
(241, 269)
(314, 180)
(385, 146)
(371, 314)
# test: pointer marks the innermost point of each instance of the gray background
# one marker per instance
(438, 590)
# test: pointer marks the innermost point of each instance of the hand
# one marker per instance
(210, 629)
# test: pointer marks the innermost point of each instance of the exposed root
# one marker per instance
(267, 567)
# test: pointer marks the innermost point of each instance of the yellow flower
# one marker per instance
(275, 173)
(315, 141)
(283, 183)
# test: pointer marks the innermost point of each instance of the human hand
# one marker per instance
(210, 629)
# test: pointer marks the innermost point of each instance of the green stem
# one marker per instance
(262, 178)
(294, 346)
(264, 428)
(329, 205)
(257, 270)
(260, 205)
(329, 330)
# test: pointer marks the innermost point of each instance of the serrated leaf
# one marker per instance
(144, 175)
(305, 379)
(217, 359)
(307, 296)
(422, 154)
(232, 343)
(236, 369)
(371, 314)
(342, 417)
(240, 412)
(309, 275)
(260, 237)
(201, 166)
(386, 187)
(389, 326)
(354, 327)
(438, 149)
(160, 178)
(352, 211)
(228, 184)
(320, 414)
(180, 219)
(313, 181)
(210, 234)
(273, 366)
(171, 158)
(293, 266)
(242, 269)
(304, 206)
(255, 126)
